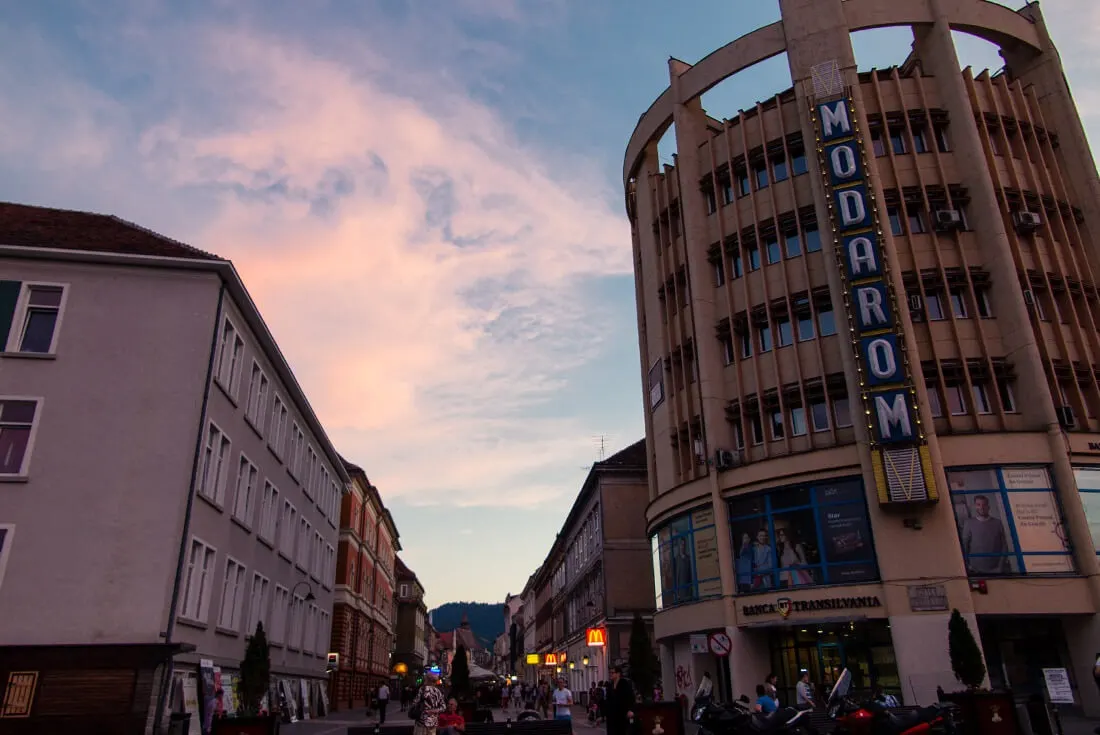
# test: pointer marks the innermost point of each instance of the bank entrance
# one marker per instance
(826, 649)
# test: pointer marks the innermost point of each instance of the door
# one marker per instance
(830, 657)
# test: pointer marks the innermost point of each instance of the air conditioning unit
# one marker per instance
(1029, 297)
(726, 460)
(1066, 417)
(947, 220)
(1027, 221)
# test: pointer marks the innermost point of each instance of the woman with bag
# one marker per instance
(427, 706)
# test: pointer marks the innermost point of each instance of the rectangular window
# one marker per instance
(277, 431)
(842, 413)
(719, 274)
(259, 390)
(317, 558)
(798, 163)
(309, 475)
(935, 402)
(297, 450)
(297, 612)
(330, 567)
(760, 172)
(897, 141)
(805, 327)
(779, 169)
(215, 465)
(656, 385)
(802, 536)
(735, 261)
(1009, 521)
(754, 257)
(981, 298)
(727, 349)
(746, 346)
(798, 421)
(981, 398)
(920, 141)
(877, 145)
(742, 183)
(1088, 485)
(819, 415)
(257, 603)
(244, 499)
(775, 422)
(896, 227)
(685, 568)
(941, 139)
(958, 305)
(280, 608)
(771, 245)
(956, 400)
(198, 581)
(826, 323)
(35, 318)
(764, 338)
(227, 366)
(304, 534)
(813, 239)
(17, 429)
(756, 428)
(933, 307)
(1007, 396)
(784, 333)
(916, 220)
(792, 244)
(289, 526)
(233, 591)
(269, 514)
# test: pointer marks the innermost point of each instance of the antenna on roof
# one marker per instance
(601, 448)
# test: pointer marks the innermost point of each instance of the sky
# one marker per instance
(424, 199)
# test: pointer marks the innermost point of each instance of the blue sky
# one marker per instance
(423, 197)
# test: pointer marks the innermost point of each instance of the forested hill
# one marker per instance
(486, 619)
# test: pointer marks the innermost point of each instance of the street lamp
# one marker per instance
(310, 597)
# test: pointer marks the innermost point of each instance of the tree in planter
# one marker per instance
(643, 664)
(460, 673)
(966, 657)
(255, 675)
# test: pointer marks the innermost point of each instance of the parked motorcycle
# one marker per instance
(738, 718)
(875, 718)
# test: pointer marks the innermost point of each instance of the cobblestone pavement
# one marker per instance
(337, 723)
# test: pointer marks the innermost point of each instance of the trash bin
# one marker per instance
(179, 723)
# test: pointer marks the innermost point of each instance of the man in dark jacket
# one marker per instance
(619, 707)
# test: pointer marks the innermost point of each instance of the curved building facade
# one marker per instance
(868, 313)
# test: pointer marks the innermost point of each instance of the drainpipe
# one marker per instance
(166, 677)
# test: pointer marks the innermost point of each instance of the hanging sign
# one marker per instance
(596, 637)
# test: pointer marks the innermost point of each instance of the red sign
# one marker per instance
(551, 659)
(720, 644)
(596, 637)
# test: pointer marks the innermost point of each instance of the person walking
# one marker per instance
(804, 692)
(505, 696)
(383, 701)
(426, 706)
(563, 702)
(618, 705)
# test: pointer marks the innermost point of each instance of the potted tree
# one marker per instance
(644, 669)
(984, 712)
(252, 686)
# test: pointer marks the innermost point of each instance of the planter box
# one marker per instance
(261, 725)
(986, 713)
(666, 717)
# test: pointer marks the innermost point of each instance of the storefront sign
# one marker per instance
(927, 597)
(785, 606)
(595, 637)
(533, 659)
(19, 694)
(900, 454)
(1058, 686)
(551, 659)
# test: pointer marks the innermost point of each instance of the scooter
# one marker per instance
(874, 718)
(738, 718)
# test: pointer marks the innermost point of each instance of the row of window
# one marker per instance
(360, 577)
(287, 621)
(775, 331)
(584, 547)
(1009, 522)
(267, 412)
(752, 256)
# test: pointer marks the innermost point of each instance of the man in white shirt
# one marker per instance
(804, 692)
(383, 700)
(563, 701)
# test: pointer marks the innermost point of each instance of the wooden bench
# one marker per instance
(506, 727)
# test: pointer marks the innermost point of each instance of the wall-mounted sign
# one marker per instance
(785, 606)
(533, 659)
(719, 644)
(596, 637)
(333, 662)
(699, 643)
(551, 659)
(19, 694)
(902, 463)
(927, 597)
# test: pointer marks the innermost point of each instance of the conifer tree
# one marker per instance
(966, 657)
(255, 672)
(643, 664)
(460, 672)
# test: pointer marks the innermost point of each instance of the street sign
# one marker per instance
(720, 644)
(699, 643)
(1058, 687)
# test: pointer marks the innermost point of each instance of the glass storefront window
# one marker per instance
(802, 536)
(1009, 521)
(1088, 484)
(685, 559)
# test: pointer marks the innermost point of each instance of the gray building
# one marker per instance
(162, 475)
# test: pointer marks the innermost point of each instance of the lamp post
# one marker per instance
(310, 597)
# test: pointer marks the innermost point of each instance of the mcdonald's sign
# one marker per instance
(551, 659)
(596, 637)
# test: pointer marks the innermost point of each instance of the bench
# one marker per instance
(507, 727)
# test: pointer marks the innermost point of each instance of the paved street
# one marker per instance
(338, 722)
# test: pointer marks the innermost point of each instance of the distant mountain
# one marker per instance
(486, 619)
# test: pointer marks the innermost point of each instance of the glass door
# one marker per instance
(830, 657)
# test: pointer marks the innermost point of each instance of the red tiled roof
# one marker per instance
(63, 229)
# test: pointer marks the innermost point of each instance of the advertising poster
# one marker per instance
(189, 691)
(707, 569)
(984, 534)
(846, 533)
(207, 693)
(1039, 529)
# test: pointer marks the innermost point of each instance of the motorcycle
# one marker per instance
(738, 718)
(875, 718)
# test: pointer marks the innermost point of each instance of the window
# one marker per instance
(933, 306)
(813, 239)
(981, 398)
(775, 421)
(798, 162)
(779, 169)
(826, 324)
(280, 608)
(916, 220)
(227, 367)
(753, 253)
(34, 316)
(1007, 396)
(920, 140)
(215, 465)
(783, 331)
(802, 536)
(7, 536)
(294, 452)
(323, 633)
(760, 172)
(403, 590)
(719, 274)
(269, 514)
(842, 413)
(1009, 521)
(244, 501)
(958, 305)
(685, 567)
(233, 591)
(877, 146)
(712, 201)
(981, 298)
(258, 392)
(329, 575)
(317, 558)
(935, 401)
(297, 623)
(746, 345)
(956, 400)
(257, 603)
(940, 131)
(742, 183)
(656, 385)
(819, 415)
(304, 532)
(310, 476)
(792, 244)
(771, 245)
(735, 261)
(805, 326)
(764, 337)
(17, 428)
(798, 421)
(897, 141)
(198, 581)
(277, 431)
(1088, 485)
(289, 526)
(894, 215)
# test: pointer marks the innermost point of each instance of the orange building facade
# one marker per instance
(868, 314)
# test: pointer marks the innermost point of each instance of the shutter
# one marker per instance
(9, 296)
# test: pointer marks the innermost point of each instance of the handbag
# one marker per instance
(416, 711)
